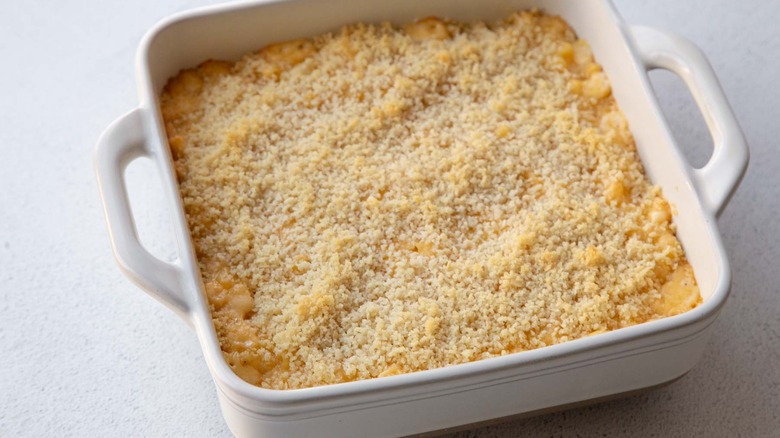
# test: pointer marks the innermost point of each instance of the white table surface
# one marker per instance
(85, 353)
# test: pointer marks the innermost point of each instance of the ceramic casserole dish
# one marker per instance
(599, 366)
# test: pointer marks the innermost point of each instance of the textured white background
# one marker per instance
(85, 353)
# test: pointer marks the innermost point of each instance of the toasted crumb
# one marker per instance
(385, 200)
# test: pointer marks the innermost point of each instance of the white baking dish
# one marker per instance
(611, 363)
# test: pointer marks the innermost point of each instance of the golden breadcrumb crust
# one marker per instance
(385, 200)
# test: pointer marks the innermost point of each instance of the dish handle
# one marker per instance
(716, 180)
(121, 143)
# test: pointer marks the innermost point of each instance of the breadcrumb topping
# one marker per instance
(385, 200)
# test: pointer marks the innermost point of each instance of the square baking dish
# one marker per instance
(596, 367)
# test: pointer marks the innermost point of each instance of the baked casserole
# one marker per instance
(385, 200)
